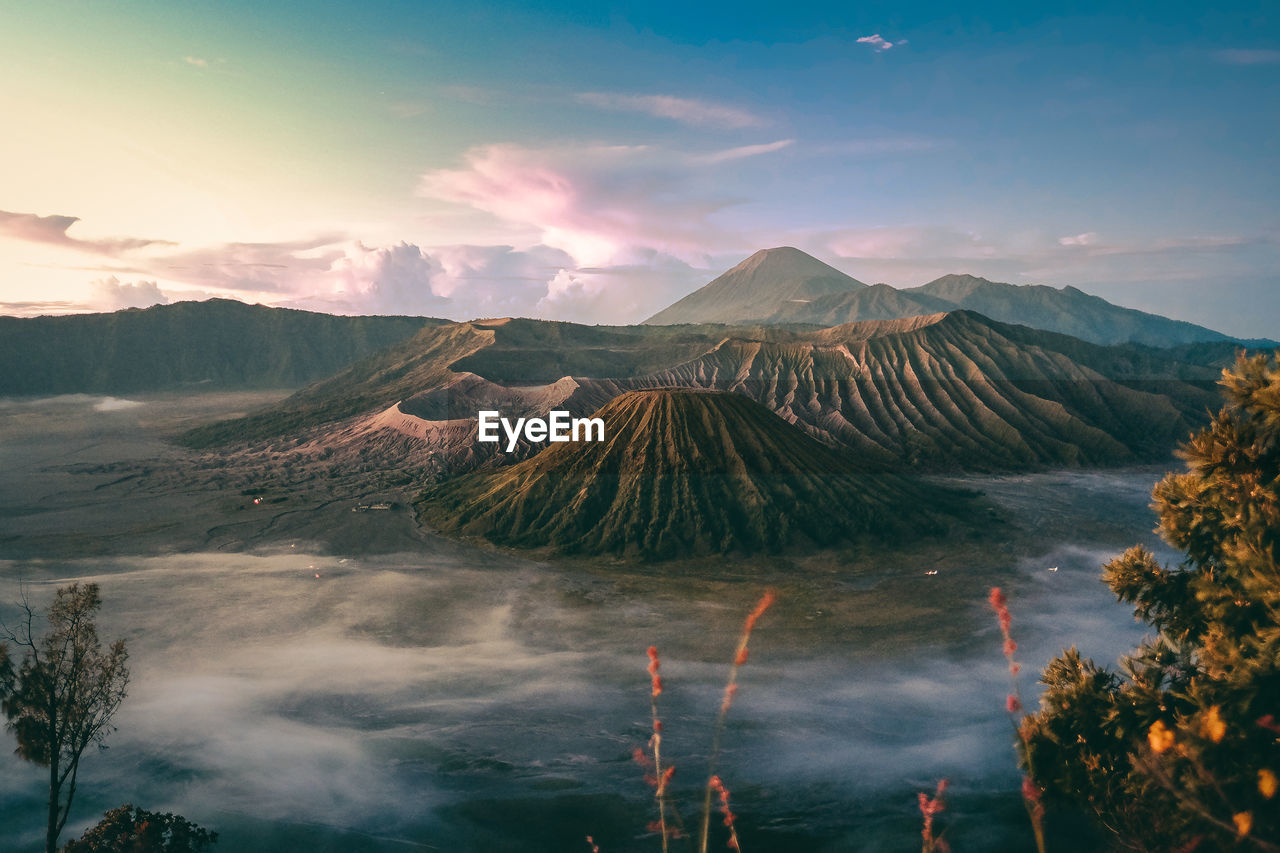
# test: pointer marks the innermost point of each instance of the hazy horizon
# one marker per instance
(596, 164)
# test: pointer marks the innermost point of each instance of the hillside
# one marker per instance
(1066, 310)
(938, 392)
(763, 285)
(877, 302)
(684, 473)
(215, 344)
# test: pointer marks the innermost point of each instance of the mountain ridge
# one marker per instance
(954, 391)
(1066, 310)
(217, 343)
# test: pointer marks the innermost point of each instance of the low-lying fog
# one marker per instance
(464, 700)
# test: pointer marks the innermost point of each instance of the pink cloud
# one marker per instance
(600, 204)
(112, 294)
(53, 231)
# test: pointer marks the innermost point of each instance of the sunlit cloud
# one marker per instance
(35, 308)
(691, 111)
(52, 230)
(196, 61)
(112, 294)
(598, 203)
(620, 294)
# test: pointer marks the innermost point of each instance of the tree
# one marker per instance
(130, 829)
(63, 694)
(1179, 750)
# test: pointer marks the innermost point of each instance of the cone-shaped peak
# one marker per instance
(681, 473)
(759, 288)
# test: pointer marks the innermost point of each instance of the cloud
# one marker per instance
(600, 204)
(112, 294)
(333, 272)
(275, 267)
(396, 279)
(53, 231)
(37, 308)
(930, 242)
(689, 111)
(878, 43)
(1086, 239)
(196, 61)
(1161, 246)
(456, 281)
(1242, 56)
(744, 151)
(619, 294)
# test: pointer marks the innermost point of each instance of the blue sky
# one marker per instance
(595, 162)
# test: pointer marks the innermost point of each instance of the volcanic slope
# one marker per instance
(940, 392)
(684, 473)
(762, 286)
(958, 391)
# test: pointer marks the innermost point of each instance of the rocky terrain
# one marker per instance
(687, 473)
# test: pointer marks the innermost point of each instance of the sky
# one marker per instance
(595, 162)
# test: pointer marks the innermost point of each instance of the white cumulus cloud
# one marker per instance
(879, 43)
(112, 294)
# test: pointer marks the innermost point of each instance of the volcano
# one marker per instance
(764, 285)
(688, 473)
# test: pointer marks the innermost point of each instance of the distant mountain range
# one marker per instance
(224, 344)
(685, 473)
(785, 285)
(220, 343)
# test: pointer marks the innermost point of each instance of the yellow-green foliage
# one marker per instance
(1182, 745)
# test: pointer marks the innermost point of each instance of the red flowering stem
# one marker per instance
(730, 690)
(930, 808)
(1013, 704)
(655, 740)
(729, 817)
